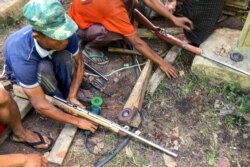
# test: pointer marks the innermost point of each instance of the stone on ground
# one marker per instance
(219, 46)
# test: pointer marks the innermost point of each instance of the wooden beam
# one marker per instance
(123, 51)
(158, 75)
(6, 84)
(62, 144)
(134, 102)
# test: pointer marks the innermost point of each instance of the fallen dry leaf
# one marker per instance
(100, 145)
(181, 73)
(169, 161)
(129, 152)
(175, 133)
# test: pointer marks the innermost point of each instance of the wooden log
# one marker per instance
(136, 97)
(62, 144)
(123, 51)
(158, 74)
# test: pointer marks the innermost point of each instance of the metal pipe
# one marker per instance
(226, 65)
(95, 71)
(113, 126)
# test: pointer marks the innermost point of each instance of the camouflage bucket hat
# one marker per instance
(49, 18)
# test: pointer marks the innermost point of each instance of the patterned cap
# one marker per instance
(49, 18)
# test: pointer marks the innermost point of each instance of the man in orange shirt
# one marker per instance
(103, 21)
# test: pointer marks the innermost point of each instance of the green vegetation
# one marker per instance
(9, 23)
(211, 156)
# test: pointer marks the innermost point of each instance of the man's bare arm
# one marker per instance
(145, 50)
(23, 160)
(37, 98)
(77, 80)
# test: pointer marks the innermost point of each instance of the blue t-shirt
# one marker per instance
(23, 55)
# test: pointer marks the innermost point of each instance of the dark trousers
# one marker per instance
(55, 74)
(204, 15)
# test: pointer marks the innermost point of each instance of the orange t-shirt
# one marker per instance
(112, 14)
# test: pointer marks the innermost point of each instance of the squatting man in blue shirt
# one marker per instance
(44, 58)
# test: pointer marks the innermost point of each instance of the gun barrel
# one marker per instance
(111, 125)
(147, 141)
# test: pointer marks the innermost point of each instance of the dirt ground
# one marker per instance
(205, 124)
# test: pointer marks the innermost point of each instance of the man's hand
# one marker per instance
(35, 160)
(171, 5)
(86, 125)
(73, 100)
(168, 69)
(183, 22)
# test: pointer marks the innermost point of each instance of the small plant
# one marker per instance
(186, 89)
(235, 121)
(140, 160)
(211, 156)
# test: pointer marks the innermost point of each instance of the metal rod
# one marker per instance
(95, 71)
(112, 125)
(227, 65)
(138, 64)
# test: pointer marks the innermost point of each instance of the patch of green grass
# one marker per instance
(211, 156)
(232, 121)
(110, 139)
(161, 90)
(122, 160)
(9, 22)
(233, 94)
(140, 160)
(186, 89)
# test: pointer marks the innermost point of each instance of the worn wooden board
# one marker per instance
(134, 102)
(137, 95)
(158, 75)
(62, 144)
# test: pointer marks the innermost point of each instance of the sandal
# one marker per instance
(34, 144)
(84, 95)
(97, 58)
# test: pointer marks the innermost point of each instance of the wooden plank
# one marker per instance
(24, 107)
(134, 102)
(6, 84)
(158, 75)
(123, 51)
(136, 97)
(62, 144)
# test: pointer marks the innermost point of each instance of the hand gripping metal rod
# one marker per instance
(112, 125)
